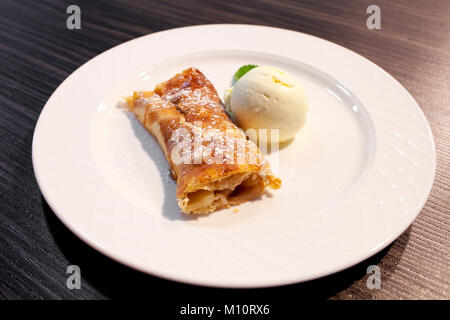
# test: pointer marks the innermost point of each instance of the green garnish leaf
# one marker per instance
(243, 70)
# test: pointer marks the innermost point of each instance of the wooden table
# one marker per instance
(38, 52)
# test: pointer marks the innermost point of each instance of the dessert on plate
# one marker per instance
(214, 164)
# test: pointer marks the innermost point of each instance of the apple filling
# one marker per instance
(230, 191)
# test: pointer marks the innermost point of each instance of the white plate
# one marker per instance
(353, 179)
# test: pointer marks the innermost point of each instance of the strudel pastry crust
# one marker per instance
(215, 166)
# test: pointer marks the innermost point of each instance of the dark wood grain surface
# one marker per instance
(37, 52)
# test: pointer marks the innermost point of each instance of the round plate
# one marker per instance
(354, 178)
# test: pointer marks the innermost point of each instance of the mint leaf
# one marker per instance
(243, 70)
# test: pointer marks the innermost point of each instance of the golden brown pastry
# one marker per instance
(215, 166)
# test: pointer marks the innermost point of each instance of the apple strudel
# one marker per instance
(214, 164)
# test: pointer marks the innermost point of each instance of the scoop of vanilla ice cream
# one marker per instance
(269, 98)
